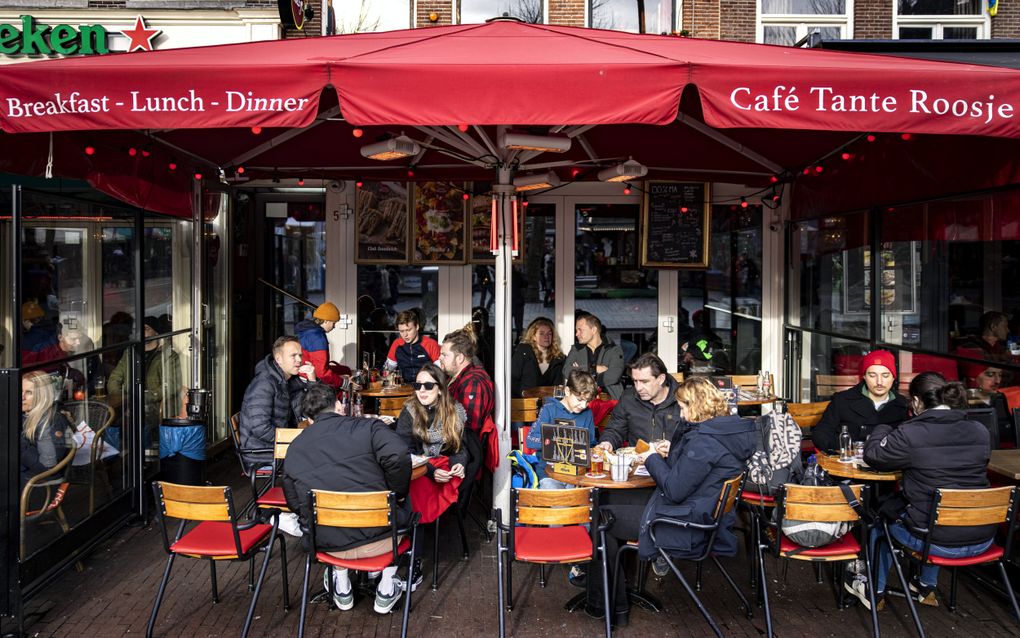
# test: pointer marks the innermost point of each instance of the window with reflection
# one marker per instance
(475, 11)
(384, 291)
(298, 254)
(831, 260)
(939, 7)
(650, 16)
(362, 16)
(786, 22)
(608, 280)
(940, 20)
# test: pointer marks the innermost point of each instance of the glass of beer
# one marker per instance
(596, 470)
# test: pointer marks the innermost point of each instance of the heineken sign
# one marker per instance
(32, 38)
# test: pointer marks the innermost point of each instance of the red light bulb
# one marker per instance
(626, 191)
(846, 156)
(743, 203)
(256, 130)
(90, 150)
(870, 138)
(358, 184)
(463, 128)
(465, 196)
(145, 153)
(132, 151)
(524, 204)
(240, 170)
(301, 181)
(172, 166)
(198, 176)
(819, 168)
(684, 209)
(807, 171)
(774, 179)
(575, 172)
(410, 173)
(905, 137)
(357, 132)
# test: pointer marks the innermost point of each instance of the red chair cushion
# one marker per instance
(750, 496)
(846, 545)
(552, 544)
(371, 564)
(211, 538)
(273, 498)
(993, 553)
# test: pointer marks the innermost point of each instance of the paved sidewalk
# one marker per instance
(114, 595)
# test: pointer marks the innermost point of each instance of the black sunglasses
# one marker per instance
(427, 385)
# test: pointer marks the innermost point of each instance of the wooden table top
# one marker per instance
(832, 465)
(1005, 463)
(606, 482)
(756, 400)
(400, 391)
(538, 392)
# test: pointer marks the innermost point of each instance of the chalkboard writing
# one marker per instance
(675, 225)
(564, 442)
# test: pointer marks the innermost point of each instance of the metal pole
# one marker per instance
(10, 388)
(503, 190)
(196, 285)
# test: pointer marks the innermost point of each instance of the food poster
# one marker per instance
(481, 224)
(439, 230)
(381, 220)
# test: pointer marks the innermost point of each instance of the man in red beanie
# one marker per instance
(871, 402)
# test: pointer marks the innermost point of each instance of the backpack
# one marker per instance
(776, 460)
(523, 470)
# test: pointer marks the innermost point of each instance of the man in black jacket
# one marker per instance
(647, 411)
(273, 397)
(871, 402)
(348, 454)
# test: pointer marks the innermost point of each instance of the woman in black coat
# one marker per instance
(432, 424)
(938, 448)
(689, 473)
(538, 359)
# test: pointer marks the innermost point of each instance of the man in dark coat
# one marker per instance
(647, 411)
(348, 454)
(600, 357)
(273, 397)
(871, 402)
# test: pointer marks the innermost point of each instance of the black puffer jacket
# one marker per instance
(856, 411)
(938, 448)
(635, 419)
(270, 402)
(525, 373)
(689, 481)
(346, 454)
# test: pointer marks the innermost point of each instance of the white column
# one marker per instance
(566, 234)
(773, 287)
(454, 291)
(501, 478)
(342, 273)
(669, 301)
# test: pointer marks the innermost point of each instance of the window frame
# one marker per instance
(938, 23)
(676, 16)
(802, 21)
(457, 4)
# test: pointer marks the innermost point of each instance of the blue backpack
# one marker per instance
(523, 470)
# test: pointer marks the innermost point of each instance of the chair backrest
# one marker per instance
(744, 380)
(194, 502)
(391, 406)
(552, 507)
(973, 507)
(97, 414)
(677, 376)
(524, 410)
(728, 496)
(828, 384)
(807, 415)
(817, 504)
(351, 509)
(235, 430)
(284, 437)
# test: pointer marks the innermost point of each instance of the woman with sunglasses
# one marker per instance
(432, 424)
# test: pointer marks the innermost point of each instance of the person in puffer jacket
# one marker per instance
(938, 448)
(689, 472)
(315, 347)
(273, 398)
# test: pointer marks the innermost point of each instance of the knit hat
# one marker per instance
(971, 369)
(30, 310)
(327, 312)
(882, 358)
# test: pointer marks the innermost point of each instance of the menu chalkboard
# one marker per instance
(675, 223)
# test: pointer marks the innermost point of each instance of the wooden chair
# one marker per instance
(807, 416)
(391, 406)
(677, 376)
(273, 497)
(746, 382)
(992, 506)
(218, 535)
(538, 392)
(253, 468)
(548, 527)
(98, 415)
(359, 510)
(525, 411)
(817, 504)
(54, 484)
(827, 385)
(727, 500)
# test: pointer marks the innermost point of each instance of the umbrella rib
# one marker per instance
(180, 150)
(281, 138)
(725, 140)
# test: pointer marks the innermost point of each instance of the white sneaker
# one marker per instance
(289, 524)
(342, 601)
(384, 604)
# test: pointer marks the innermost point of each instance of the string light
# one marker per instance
(463, 128)
(819, 168)
(575, 172)
(410, 172)
(240, 170)
(301, 181)
(257, 130)
(359, 184)
(774, 179)
(870, 138)
(626, 189)
(905, 137)
(846, 156)
(357, 132)
(465, 196)
(90, 150)
(132, 151)
(743, 203)
(198, 176)
(146, 152)
(684, 209)
(172, 166)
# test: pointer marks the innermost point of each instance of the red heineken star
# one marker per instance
(141, 38)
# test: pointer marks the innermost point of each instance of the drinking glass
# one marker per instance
(559, 392)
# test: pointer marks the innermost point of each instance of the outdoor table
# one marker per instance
(832, 465)
(642, 483)
(538, 392)
(1005, 463)
(755, 400)
(400, 391)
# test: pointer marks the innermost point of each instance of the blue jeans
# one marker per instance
(929, 573)
(552, 484)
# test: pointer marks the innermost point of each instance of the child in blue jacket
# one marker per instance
(580, 389)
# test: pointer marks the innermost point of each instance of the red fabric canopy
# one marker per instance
(768, 109)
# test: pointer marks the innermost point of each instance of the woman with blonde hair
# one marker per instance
(538, 359)
(689, 472)
(44, 429)
(432, 424)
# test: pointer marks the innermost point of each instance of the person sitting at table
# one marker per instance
(689, 471)
(649, 411)
(348, 454)
(984, 377)
(273, 398)
(537, 360)
(411, 350)
(315, 346)
(579, 390)
(44, 428)
(596, 355)
(938, 448)
(471, 386)
(432, 424)
(871, 402)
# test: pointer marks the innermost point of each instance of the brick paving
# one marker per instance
(114, 594)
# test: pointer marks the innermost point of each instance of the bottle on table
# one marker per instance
(846, 445)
